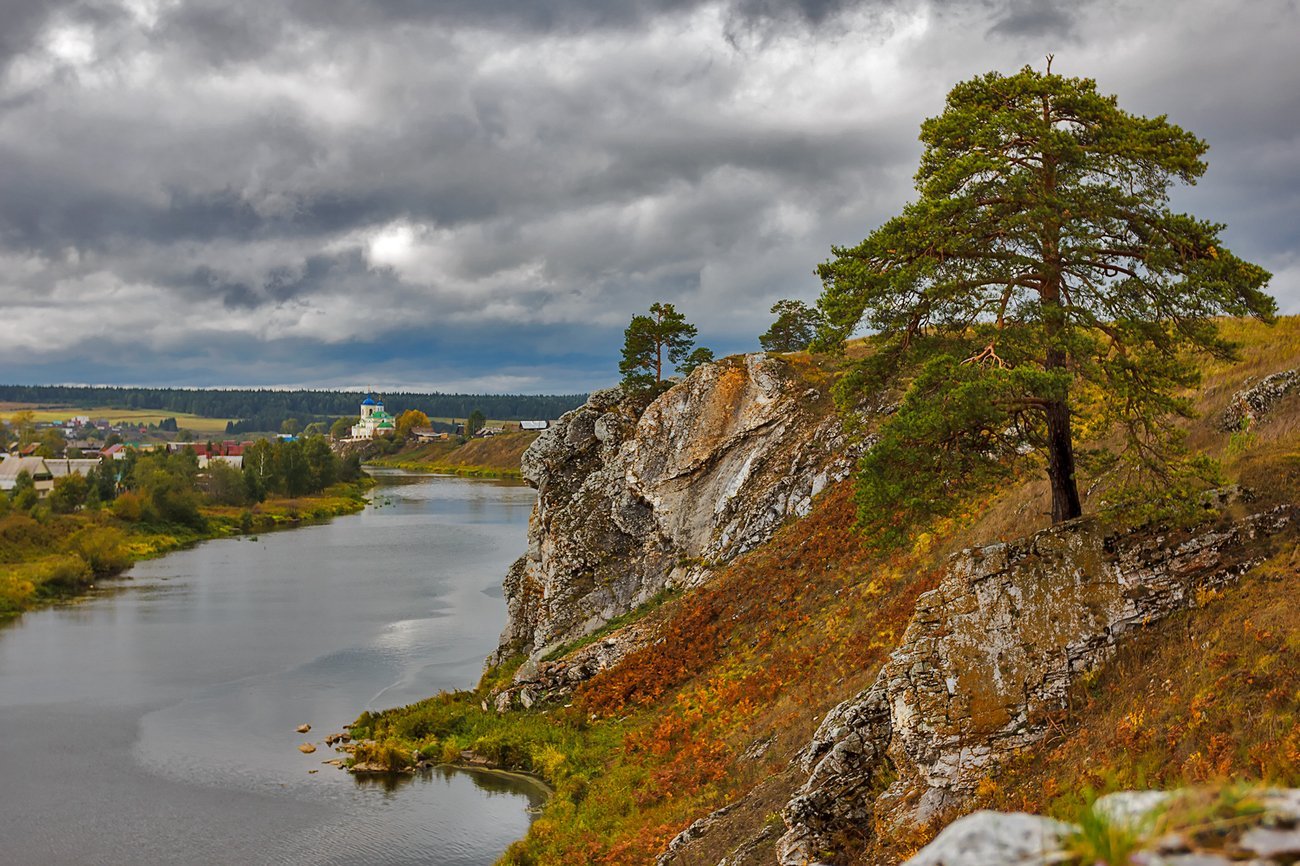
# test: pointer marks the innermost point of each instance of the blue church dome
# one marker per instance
(369, 401)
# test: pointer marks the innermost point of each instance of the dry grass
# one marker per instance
(490, 455)
(126, 417)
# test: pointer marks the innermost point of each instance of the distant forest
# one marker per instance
(259, 410)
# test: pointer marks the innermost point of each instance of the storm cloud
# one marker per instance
(478, 194)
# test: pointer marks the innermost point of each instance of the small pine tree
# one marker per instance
(652, 345)
(795, 327)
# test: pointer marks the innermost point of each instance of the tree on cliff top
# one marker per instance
(1040, 281)
(795, 327)
(652, 343)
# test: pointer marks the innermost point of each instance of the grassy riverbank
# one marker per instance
(490, 457)
(46, 557)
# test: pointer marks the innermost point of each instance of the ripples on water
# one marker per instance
(156, 723)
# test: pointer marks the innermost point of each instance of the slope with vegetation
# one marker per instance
(737, 676)
(152, 503)
(486, 457)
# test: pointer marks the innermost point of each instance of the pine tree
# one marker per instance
(654, 343)
(1040, 264)
(795, 327)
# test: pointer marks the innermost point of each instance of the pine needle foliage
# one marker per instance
(1039, 291)
(653, 345)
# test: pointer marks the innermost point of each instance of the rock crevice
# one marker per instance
(629, 505)
(989, 654)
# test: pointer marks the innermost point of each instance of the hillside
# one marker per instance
(797, 695)
(492, 456)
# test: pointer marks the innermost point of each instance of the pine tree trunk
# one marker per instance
(1060, 444)
(1060, 463)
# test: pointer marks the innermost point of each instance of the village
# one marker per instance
(50, 450)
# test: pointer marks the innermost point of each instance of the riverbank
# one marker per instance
(179, 692)
(489, 457)
(48, 558)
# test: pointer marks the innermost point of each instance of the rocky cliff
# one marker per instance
(631, 503)
(988, 655)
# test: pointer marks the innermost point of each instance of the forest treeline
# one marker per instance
(266, 409)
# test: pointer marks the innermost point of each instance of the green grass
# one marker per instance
(489, 457)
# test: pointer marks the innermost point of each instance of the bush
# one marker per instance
(225, 484)
(389, 755)
(49, 576)
(102, 547)
(69, 494)
(129, 507)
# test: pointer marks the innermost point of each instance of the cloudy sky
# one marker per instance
(477, 194)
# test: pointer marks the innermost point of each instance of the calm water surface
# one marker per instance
(154, 722)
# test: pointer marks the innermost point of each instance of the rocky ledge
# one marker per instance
(1252, 403)
(631, 504)
(988, 655)
(1182, 828)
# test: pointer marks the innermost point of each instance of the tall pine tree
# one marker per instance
(1040, 263)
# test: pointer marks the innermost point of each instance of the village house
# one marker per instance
(13, 466)
(61, 466)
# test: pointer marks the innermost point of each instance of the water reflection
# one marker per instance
(174, 694)
(494, 783)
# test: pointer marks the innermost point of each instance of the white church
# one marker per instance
(374, 420)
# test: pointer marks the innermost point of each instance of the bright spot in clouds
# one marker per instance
(479, 195)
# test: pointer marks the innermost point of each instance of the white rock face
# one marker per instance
(1271, 835)
(989, 654)
(628, 506)
(994, 839)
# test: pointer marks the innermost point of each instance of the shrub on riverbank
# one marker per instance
(45, 556)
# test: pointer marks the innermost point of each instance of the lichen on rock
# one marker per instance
(989, 654)
(631, 503)
(1251, 404)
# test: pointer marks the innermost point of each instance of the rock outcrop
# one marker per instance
(989, 654)
(630, 505)
(1249, 405)
(1266, 834)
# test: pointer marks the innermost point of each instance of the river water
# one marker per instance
(153, 722)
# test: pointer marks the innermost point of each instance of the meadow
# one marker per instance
(115, 416)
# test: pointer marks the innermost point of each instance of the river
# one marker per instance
(153, 721)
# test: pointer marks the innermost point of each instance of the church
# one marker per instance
(374, 420)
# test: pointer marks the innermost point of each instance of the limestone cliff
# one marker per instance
(989, 654)
(630, 504)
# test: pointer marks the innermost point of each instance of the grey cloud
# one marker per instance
(558, 164)
(23, 22)
(1035, 18)
(220, 33)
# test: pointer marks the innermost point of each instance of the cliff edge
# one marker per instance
(630, 504)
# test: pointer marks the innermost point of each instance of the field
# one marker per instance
(206, 426)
